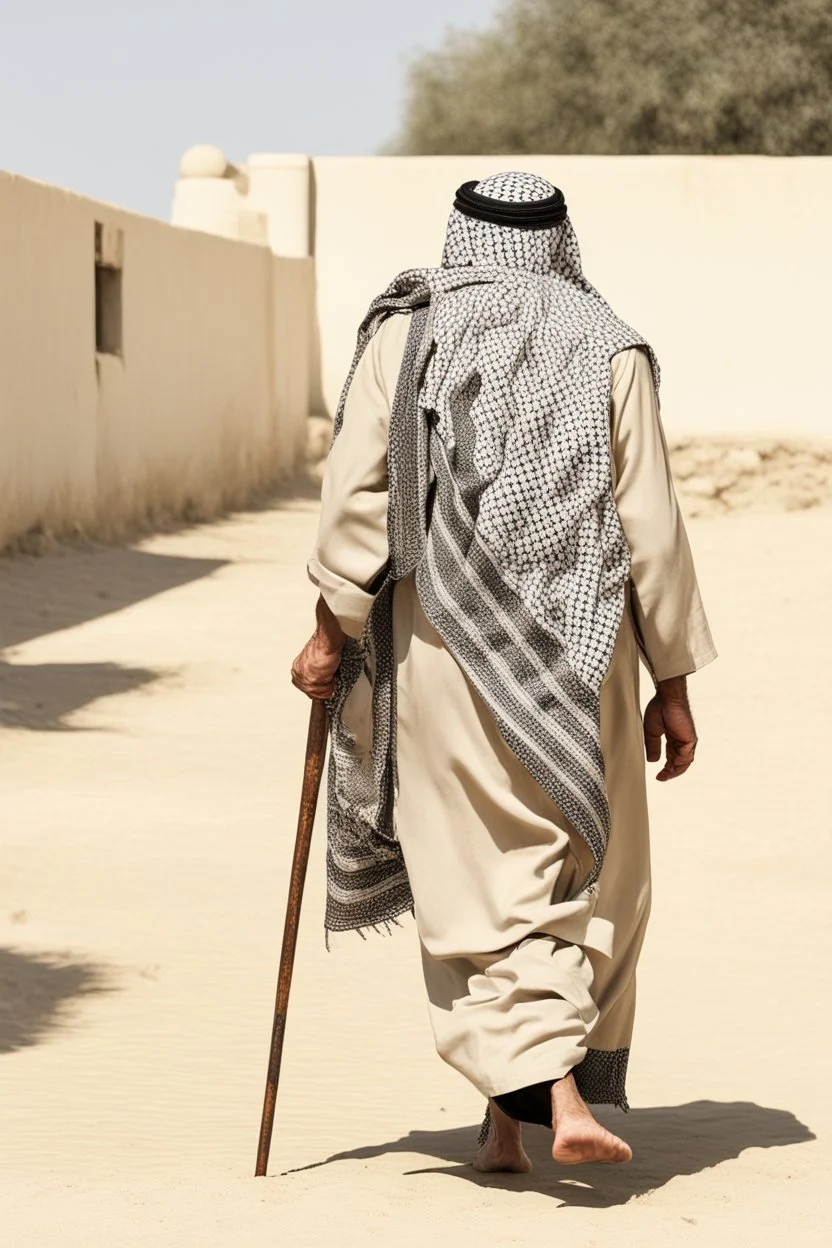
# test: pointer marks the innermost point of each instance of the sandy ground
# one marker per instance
(150, 762)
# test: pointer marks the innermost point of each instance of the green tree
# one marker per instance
(627, 77)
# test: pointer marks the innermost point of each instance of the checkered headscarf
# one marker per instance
(470, 241)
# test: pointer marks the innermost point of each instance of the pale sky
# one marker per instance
(104, 97)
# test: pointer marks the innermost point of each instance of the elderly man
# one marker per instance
(499, 541)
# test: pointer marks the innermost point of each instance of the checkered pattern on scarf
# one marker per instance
(539, 352)
(472, 242)
(500, 434)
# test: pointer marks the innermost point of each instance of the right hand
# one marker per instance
(668, 715)
(314, 670)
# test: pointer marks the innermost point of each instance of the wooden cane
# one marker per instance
(313, 766)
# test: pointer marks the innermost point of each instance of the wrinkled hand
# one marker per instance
(668, 715)
(314, 670)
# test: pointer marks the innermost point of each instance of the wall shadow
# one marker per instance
(69, 585)
(667, 1141)
(42, 696)
(300, 486)
(35, 992)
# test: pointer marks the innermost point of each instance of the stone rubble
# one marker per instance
(715, 476)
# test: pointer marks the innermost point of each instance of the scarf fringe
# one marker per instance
(382, 928)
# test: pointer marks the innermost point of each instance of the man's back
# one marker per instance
(469, 742)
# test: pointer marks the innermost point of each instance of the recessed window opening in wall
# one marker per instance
(109, 253)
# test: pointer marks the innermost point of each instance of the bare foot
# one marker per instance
(503, 1150)
(578, 1137)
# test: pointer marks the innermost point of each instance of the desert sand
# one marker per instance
(150, 763)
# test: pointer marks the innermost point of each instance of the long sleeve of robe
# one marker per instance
(352, 547)
(507, 1010)
(666, 605)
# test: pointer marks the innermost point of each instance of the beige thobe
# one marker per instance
(520, 982)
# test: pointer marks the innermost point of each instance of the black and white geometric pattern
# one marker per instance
(602, 1077)
(472, 242)
(367, 883)
(500, 500)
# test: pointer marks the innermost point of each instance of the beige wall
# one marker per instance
(208, 402)
(723, 263)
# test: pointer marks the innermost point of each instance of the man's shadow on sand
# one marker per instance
(667, 1141)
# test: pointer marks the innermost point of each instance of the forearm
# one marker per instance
(673, 689)
(329, 634)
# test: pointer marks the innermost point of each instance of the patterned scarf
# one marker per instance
(501, 503)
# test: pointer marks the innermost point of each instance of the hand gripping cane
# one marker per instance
(313, 767)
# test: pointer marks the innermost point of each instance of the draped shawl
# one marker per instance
(501, 503)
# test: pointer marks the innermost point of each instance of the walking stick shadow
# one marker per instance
(667, 1141)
